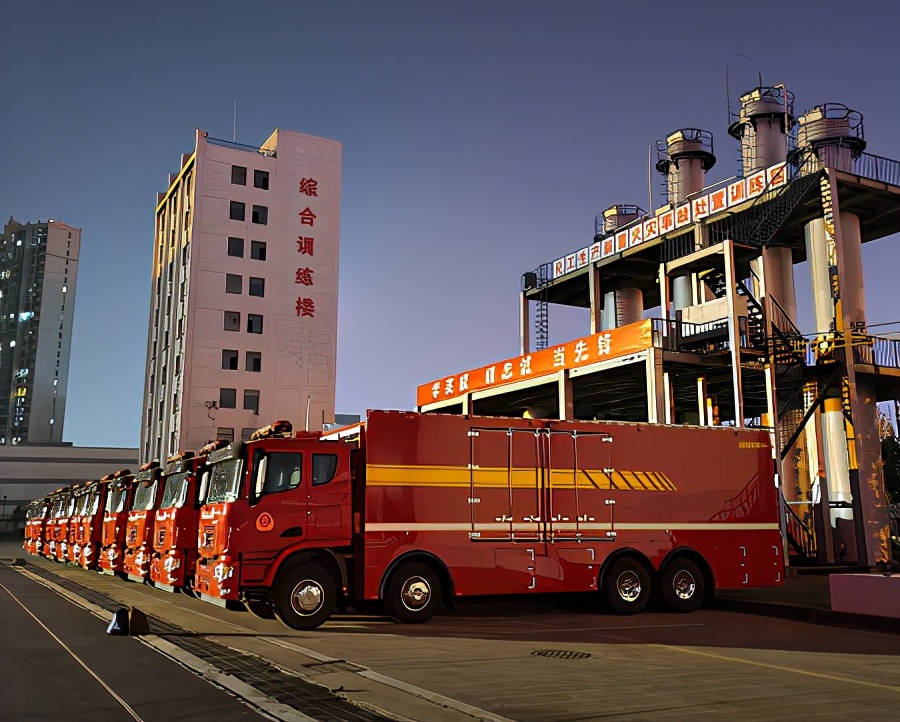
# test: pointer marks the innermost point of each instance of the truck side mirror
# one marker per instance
(261, 466)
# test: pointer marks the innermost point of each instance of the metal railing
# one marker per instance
(240, 146)
(800, 536)
(878, 351)
(711, 337)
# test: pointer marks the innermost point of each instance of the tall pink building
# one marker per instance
(243, 313)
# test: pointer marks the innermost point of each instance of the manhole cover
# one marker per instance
(560, 654)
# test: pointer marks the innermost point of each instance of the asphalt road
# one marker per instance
(559, 660)
(59, 663)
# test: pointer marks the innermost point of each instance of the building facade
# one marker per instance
(243, 312)
(38, 270)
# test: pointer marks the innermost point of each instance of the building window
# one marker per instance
(254, 361)
(227, 398)
(246, 434)
(251, 401)
(237, 211)
(257, 286)
(229, 359)
(235, 246)
(225, 434)
(254, 323)
(232, 321)
(258, 250)
(261, 179)
(260, 215)
(238, 175)
(233, 283)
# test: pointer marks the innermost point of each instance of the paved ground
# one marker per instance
(40, 679)
(555, 661)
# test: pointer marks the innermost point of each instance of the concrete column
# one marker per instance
(682, 292)
(778, 268)
(596, 300)
(734, 334)
(629, 306)
(566, 404)
(524, 325)
(701, 400)
(853, 296)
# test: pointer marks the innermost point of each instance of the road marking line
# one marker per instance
(779, 668)
(256, 699)
(112, 693)
(554, 630)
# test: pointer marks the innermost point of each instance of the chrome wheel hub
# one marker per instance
(307, 597)
(684, 585)
(416, 593)
(628, 586)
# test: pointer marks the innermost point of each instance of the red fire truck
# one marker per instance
(415, 510)
(139, 527)
(118, 501)
(36, 517)
(57, 528)
(91, 527)
(175, 536)
(73, 548)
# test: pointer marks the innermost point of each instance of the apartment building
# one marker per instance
(38, 270)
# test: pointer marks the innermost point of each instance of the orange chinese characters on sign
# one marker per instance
(756, 184)
(590, 349)
(651, 229)
(607, 247)
(265, 522)
(737, 193)
(667, 222)
(718, 200)
(559, 267)
(700, 208)
(776, 175)
(595, 252)
(636, 235)
(682, 215)
(621, 241)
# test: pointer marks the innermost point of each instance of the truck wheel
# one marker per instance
(305, 597)
(626, 587)
(683, 586)
(413, 593)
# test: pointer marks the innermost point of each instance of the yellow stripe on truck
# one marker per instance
(518, 478)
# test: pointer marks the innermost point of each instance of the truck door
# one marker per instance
(579, 465)
(328, 495)
(278, 488)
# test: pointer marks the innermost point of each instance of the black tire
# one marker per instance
(305, 596)
(413, 593)
(626, 587)
(683, 586)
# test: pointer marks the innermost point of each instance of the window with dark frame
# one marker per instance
(258, 250)
(254, 361)
(237, 211)
(225, 434)
(233, 283)
(251, 401)
(235, 247)
(238, 175)
(257, 287)
(246, 433)
(232, 321)
(227, 398)
(254, 323)
(229, 359)
(260, 215)
(261, 179)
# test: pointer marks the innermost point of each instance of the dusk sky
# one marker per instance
(480, 139)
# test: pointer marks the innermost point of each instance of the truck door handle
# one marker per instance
(293, 531)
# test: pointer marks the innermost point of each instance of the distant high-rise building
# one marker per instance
(38, 268)
(243, 311)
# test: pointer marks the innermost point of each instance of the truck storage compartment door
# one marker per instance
(578, 501)
(506, 484)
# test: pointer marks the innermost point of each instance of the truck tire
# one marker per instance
(305, 597)
(683, 586)
(413, 594)
(626, 587)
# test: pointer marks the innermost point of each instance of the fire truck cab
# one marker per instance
(56, 528)
(36, 517)
(90, 527)
(141, 517)
(175, 532)
(120, 491)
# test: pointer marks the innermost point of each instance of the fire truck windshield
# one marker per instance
(224, 481)
(115, 500)
(93, 500)
(175, 493)
(144, 496)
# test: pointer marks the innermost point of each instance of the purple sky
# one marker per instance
(480, 139)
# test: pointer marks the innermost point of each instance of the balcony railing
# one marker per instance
(711, 337)
(878, 351)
